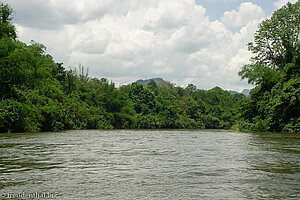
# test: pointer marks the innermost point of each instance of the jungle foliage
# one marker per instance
(274, 102)
(38, 94)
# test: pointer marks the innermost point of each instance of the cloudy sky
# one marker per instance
(203, 42)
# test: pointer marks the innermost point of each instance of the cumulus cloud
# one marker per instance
(280, 3)
(36, 14)
(128, 40)
(246, 13)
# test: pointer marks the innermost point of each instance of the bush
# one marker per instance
(18, 117)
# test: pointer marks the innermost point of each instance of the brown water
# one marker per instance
(170, 164)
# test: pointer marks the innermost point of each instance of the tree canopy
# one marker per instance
(6, 28)
(274, 103)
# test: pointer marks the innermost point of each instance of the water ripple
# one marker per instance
(165, 164)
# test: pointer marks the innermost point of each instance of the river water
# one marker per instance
(166, 164)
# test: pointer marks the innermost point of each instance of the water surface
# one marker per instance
(170, 164)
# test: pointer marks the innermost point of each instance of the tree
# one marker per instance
(143, 99)
(191, 88)
(276, 43)
(152, 85)
(6, 28)
(274, 102)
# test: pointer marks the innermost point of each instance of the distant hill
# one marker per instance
(246, 92)
(158, 81)
(233, 92)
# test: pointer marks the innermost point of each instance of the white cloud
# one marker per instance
(240, 59)
(246, 13)
(162, 70)
(280, 3)
(129, 40)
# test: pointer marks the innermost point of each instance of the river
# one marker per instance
(150, 164)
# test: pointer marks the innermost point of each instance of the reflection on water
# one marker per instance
(151, 164)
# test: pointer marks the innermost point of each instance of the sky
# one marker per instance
(202, 42)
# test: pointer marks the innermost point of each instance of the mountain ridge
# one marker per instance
(161, 81)
(158, 81)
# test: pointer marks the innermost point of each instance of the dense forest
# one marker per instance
(275, 67)
(38, 94)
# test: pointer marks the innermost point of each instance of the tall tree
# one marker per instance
(6, 28)
(274, 103)
(276, 43)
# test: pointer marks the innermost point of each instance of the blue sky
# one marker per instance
(215, 9)
(203, 42)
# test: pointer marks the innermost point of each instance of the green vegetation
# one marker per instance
(274, 102)
(37, 94)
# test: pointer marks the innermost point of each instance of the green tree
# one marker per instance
(143, 99)
(276, 43)
(152, 85)
(274, 102)
(6, 28)
(191, 88)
